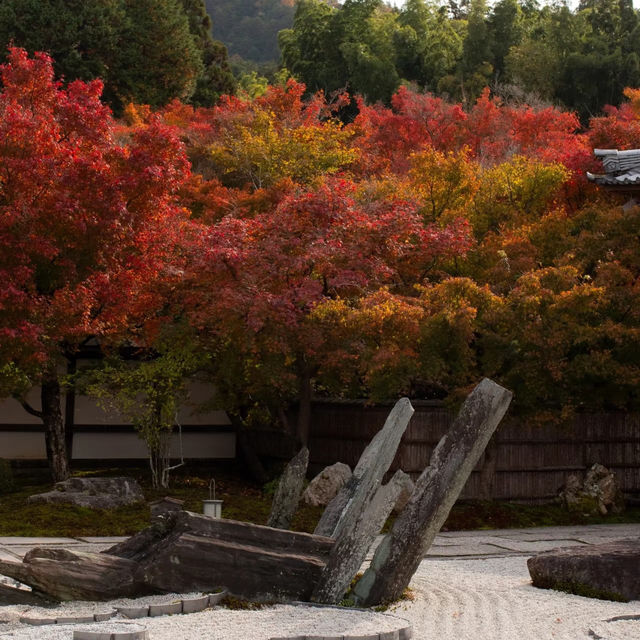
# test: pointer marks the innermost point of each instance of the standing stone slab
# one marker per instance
(351, 549)
(344, 511)
(457, 453)
(287, 496)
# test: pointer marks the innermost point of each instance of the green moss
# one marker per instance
(580, 589)
(243, 500)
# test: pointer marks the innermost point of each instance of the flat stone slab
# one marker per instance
(112, 631)
(608, 571)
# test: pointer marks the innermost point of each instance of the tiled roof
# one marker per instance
(622, 168)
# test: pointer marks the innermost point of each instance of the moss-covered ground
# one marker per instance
(243, 500)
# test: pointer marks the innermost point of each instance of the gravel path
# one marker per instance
(457, 599)
(493, 598)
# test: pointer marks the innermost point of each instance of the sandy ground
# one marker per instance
(456, 599)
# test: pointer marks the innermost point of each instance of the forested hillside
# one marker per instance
(581, 58)
(145, 51)
(249, 28)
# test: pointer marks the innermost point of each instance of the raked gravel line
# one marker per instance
(455, 599)
(494, 599)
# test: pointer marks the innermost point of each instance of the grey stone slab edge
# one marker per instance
(137, 634)
(403, 633)
(190, 605)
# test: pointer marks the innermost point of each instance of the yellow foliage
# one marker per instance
(515, 192)
(262, 151)
(633, 95)
(444, 182)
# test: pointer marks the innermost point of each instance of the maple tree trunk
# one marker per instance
(304, 409)
(69, 411)
(54, 428)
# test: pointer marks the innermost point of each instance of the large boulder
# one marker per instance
(608, 571)
(325, 486)
(94, 493)
(597, 492)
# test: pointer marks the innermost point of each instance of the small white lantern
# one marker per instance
(212, 507)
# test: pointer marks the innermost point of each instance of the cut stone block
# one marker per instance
(141, 611)
(168, 609)
(287, 496)
(103, 617)
(74, 619)
(346, 508)
(390, 635)
(401, 551)
(216, 598)
(193, 605)
(406, 633)
(608, 571)
(35, 621)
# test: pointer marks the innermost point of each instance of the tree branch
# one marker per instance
(29, 409)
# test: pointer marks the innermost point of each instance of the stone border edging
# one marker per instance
(140, 633)
(403, 633)
(186, 606)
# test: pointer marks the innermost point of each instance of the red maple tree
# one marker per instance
(88, 223)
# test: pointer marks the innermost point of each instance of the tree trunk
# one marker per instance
(54, 428)
(304, 408)
(70, 410)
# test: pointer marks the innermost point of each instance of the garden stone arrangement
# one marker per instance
(186, 552)
(93, 493)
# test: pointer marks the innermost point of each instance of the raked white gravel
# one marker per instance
(458, 599)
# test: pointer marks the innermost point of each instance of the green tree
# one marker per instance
(476, 66)
(82, 37)
(159, 56)
(216, 77)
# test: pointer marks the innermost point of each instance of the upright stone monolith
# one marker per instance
(287, 496)
(343, 512)
(351, 548)
(457, 453)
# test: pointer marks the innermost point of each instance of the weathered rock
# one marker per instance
(345, 509)
(165, 505)
(287, 496)
(596, 493)
(401, 551)
(75, 575)
(325, 486)
(183, 552)
(94, 493)
(406, 489)
(608, 571)
(351, 548)
(13, 595)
